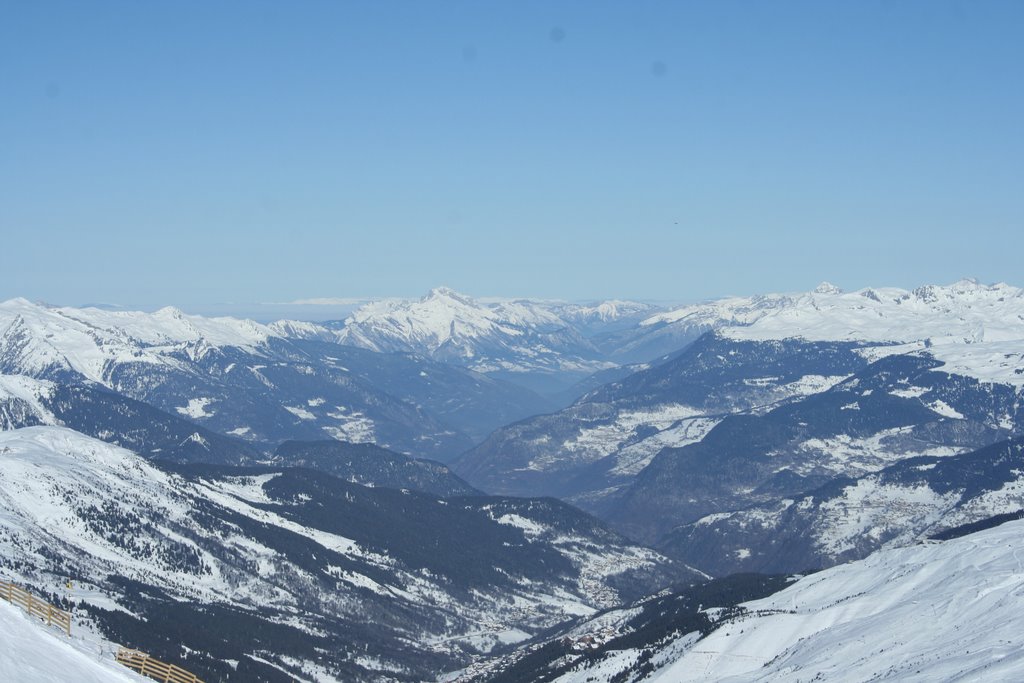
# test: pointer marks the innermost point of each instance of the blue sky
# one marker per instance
(202, 153)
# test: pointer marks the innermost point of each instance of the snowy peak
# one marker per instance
(449, 296)
(419, 326)
(608, 311)
(615, 309)
(39, 340)
(827, 288)
(517, 336)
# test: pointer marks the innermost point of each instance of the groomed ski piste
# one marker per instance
(33, 653)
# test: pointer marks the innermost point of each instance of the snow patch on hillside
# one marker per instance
(631, 459)
(300, 412)
(850, 456)
(352, 426)
(594, 443)
(529, 526)
(196, 408)
(870, 510)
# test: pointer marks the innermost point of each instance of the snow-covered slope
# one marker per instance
(524, 340)
(849, 519)
(285, 564)
(976, 330)
(896, 408)
(666, 332)
(264, 384)
(22, 401)
(849, 384)
(605, 323)
(45, 340)
(937, 611)
(35, 654)
(944, 317)
(963, 312)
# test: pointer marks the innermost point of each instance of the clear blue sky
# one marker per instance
(193, 153)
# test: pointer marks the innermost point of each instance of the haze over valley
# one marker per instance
(532, 342)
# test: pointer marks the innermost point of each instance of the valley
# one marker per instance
(502, 491)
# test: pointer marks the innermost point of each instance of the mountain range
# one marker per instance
(285, 564)
(787, 398)
(546, 346)
(244, 380)
(391, 496)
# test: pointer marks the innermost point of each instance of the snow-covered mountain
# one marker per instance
(524, 341)
(611, 434)
(937, 611)
(965, 311)
(49, 341)
(848, 519)
(249, 572)
(795, 431)
(896, 408)
(601, 320)
(96, 411)
(666, 332)
(778, 406)
(240, 378)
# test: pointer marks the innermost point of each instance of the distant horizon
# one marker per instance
(319, 309)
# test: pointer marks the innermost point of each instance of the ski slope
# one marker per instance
(33, 653)
(935, 612)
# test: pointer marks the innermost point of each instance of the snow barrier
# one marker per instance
(155, 669)
(36, 607)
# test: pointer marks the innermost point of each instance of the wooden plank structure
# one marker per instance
(36, 607)
(155, 669)
(133, 659)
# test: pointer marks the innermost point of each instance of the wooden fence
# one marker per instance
(133, 659)
(36, 607)
(157, 670)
